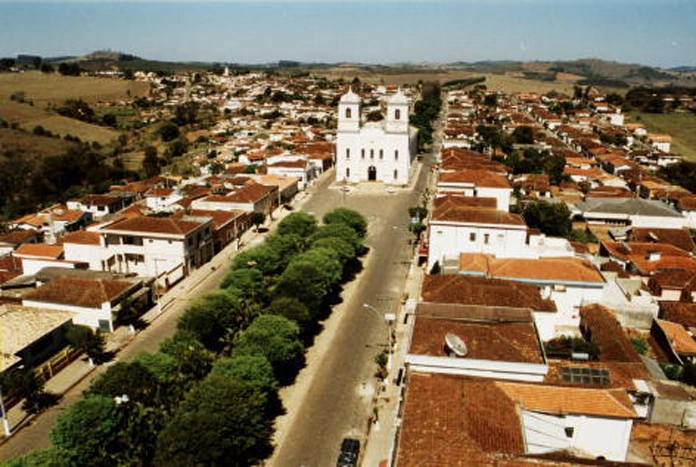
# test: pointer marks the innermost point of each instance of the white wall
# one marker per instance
(32, 266)
(448, 241)
(533, 372)
(83, 315)
(91, 254)
(373, 139)
(658, 222)
(592, 436)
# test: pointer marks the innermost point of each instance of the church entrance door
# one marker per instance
(372, 173)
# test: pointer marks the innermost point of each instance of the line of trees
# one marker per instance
(426, 111)
(209, 395)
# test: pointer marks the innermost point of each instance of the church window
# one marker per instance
(347, 153)
(372, 153)
(397, 114)
(362, 153)
(381, 154)
(396, 154)
(349, 113)
(347, 172)
(396, 174)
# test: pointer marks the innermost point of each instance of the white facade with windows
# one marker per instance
(376, 151)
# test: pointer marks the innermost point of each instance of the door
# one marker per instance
(372, 173)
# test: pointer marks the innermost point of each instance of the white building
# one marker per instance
(376, 151)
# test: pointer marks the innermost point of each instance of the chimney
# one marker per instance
(654, 255)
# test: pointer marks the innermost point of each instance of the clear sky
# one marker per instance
(652, 32)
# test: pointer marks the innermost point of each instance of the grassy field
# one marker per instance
(682, 127)
(510, 82)
(19, 142)
(42, 90)
(54, 88)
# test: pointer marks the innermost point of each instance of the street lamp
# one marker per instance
(389, 318)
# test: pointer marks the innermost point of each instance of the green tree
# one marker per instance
(88, 431)
(344, 250)
(254, 370)
(192, 359)
(305, 281)
(160, 365)
(84, 339)
(215, 317)
(247, 283)
(257, 218)
(338, 231)
(348, 217)
(129, 314)
(298, 223)
(523, 135)
(168, 132)
(550, 218)
(51, 457)
(221, 422)
(290, 308)
(151, 162)
(277, 339)
(130, 378)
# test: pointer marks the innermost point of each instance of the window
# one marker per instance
(362, 153)
(397, 114)
(372, 153)
(486, 237)
(396, 154)
(349, 114)
(501, 238)
(132, 240)
(472, 237)
(347, 173)
(347, 153)
(381, 154)
(396, 174)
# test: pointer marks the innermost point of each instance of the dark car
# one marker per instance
(350, 450)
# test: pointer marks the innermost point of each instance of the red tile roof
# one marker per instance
(82, 237)
(605, 330)
(566, 400)
(90, 293)
(498, 341)
(160, 225)
(40, 250)
(479, 178)
(454, 421)
(683, 313)
(450, 212)
(565, 269)
(679, 338)
(467, 290)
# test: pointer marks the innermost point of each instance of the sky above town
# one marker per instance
(652, 32)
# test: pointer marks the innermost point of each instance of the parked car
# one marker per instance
(350, 451)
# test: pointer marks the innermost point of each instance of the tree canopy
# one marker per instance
(550, 218)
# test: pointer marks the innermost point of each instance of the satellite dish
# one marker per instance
(456, 344)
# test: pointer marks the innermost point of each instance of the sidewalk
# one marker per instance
(80, 369)
(380, 444)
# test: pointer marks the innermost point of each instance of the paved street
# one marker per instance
(333, 396)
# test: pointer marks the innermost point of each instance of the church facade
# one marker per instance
(374, 151)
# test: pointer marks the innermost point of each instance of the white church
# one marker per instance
(374, 151)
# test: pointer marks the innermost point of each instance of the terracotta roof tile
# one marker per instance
(454, 421)
(40, 250)
(680, 238)
(566, 400)
(161, 225)
(467, 290)
(82, 237)
(683, 313)
(475, 215)
(606, 331)
(78, 291)
(565, 269)
(498, 341)
(681, 340)
(479, 178)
